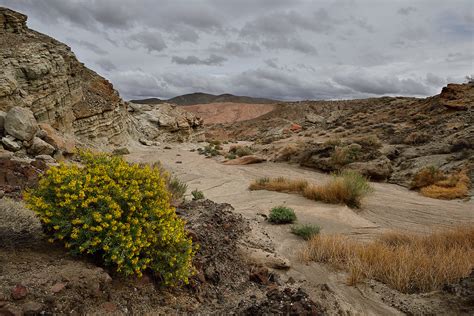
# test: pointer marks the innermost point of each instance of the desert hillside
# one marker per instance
(224, 204)
(205, 98)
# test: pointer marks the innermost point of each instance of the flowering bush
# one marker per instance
(115, 210)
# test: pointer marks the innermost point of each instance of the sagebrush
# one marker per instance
(116, 211)
(282, 215)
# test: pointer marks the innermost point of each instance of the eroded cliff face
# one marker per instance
(43, 74)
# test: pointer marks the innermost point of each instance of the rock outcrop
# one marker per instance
(154, 120)
(457, 97)
(43, 75)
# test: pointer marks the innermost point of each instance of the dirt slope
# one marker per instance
(228, 112)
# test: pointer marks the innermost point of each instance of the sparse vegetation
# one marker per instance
(416, 138)
(343, 155)
(211, 150)
(230, 156)
(348, 187)
(407, 262)
(434, 183)
(279, 184)
(117, 211)
(197, 195)
(241, 151)
(177, 188)
(427, 176)
(305, 231)
(282, 215)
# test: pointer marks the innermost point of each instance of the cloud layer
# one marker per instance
(299, 49)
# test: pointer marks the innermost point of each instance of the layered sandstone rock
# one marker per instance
(43, 75)
(457, 96)
(153, 120)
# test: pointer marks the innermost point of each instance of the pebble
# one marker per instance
(19, 292)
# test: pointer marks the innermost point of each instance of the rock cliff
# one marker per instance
(43, 75)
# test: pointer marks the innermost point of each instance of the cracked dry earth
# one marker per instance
(389, 207)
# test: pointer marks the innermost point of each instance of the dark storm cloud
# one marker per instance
(151, 41)
(194, 60)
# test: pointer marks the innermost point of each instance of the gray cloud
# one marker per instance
(106, 64)
(240, 49)
(290, 43)
(406, 10)
(363, 82)
(194, 60)
(151, 41)
(272, 48)
(90, 46)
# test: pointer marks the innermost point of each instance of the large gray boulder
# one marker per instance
(40, 147)
(21, 123)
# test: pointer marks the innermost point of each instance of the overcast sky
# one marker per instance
(282, 49)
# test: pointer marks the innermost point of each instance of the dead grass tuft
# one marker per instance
(454, 187)
(407, 262)
(434, 183)
(279, 184)
(348, 187)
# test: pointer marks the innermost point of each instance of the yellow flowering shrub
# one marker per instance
(118, 211)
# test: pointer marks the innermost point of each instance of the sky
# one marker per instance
(280, 49)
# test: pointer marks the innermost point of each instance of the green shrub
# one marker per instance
(231, 156)
(241, 151)
(282, 215)
(210, 150)
(197, 195)
(306, 231)
(177, 188)
(118, 212)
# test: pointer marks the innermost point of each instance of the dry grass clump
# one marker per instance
(453, 187)
(348, 187)
(407, 262)
(279, 184)
(434, 183)
(427, 176)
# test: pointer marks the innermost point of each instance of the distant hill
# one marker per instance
(204, 98)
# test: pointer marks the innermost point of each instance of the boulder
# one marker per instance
(121, 151)
(3, 115)
(21, 123)
(10, 143)
(377, 169)
(40, 147)
(55, 139)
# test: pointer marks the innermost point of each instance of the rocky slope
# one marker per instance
(43, 75)
(388, 138)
